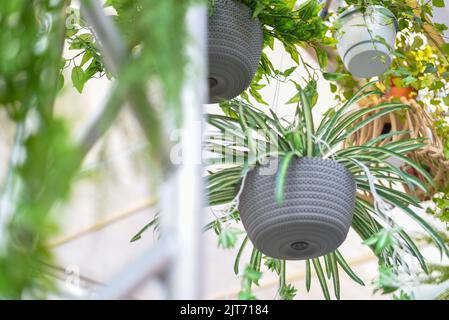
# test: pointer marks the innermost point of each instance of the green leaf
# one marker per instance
(437, 85)
(139, 234)
(228, 237)
(335, 76)
(440, 26)
(345, 266)
(335, 275)
(308, 275)
(388, 281)
(254, 265)
(289, 71)
(288, 292)
(409, 80)
(308, 119)
(281, 176)
(405, 159)
(327, 265)
(322, 57)
(445, 48)
(78, 78)
(60, 82)
(430, 68)
(351, 124)
(423, 223)
(70, 32)
(332, 116)
(257, 96)
(415, 250)
(417, 43)
(403, 296)
(86, 57)
(252, 274)
(259, 8)
(81, 42)
(292, 50)
(246, 295)
(273, 264)
(382, 240)
(321, 277)
(239, 254)
(311, 92)
(294, 100)
(438, 3)
(94, 67)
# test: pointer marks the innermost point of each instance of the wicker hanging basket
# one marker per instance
(419, 124)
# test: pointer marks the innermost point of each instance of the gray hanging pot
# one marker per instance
(314, 217)
(235, 42)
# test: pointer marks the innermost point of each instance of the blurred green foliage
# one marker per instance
(33, 36)
(44, 159)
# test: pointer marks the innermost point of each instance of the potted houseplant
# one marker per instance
(299, 148)
(239, 30)
(235, 40)
(366, 39)
(314, 216)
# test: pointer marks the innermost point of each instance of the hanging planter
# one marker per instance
(303, 209)
(416, 123)
(366, 40)
(235, 42)
(314, 216)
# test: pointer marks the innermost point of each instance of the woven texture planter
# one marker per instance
(314, 217)
(419, 123)
(235, 42)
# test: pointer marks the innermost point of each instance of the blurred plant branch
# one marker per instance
(45, 161)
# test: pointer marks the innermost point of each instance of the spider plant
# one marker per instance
(245, 136)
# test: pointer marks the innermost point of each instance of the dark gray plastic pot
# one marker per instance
(314, 217)
(235, 42)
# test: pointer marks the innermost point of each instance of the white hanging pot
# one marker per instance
(366, 40)
(235, 42)
(314, 217)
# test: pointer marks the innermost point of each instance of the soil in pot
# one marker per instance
(366, 40)
(235, 41)
(314, 217)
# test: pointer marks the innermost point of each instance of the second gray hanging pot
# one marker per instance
(314, 217)
(235, 41)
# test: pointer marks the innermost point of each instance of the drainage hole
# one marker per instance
(299, 245)
(212, 83)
